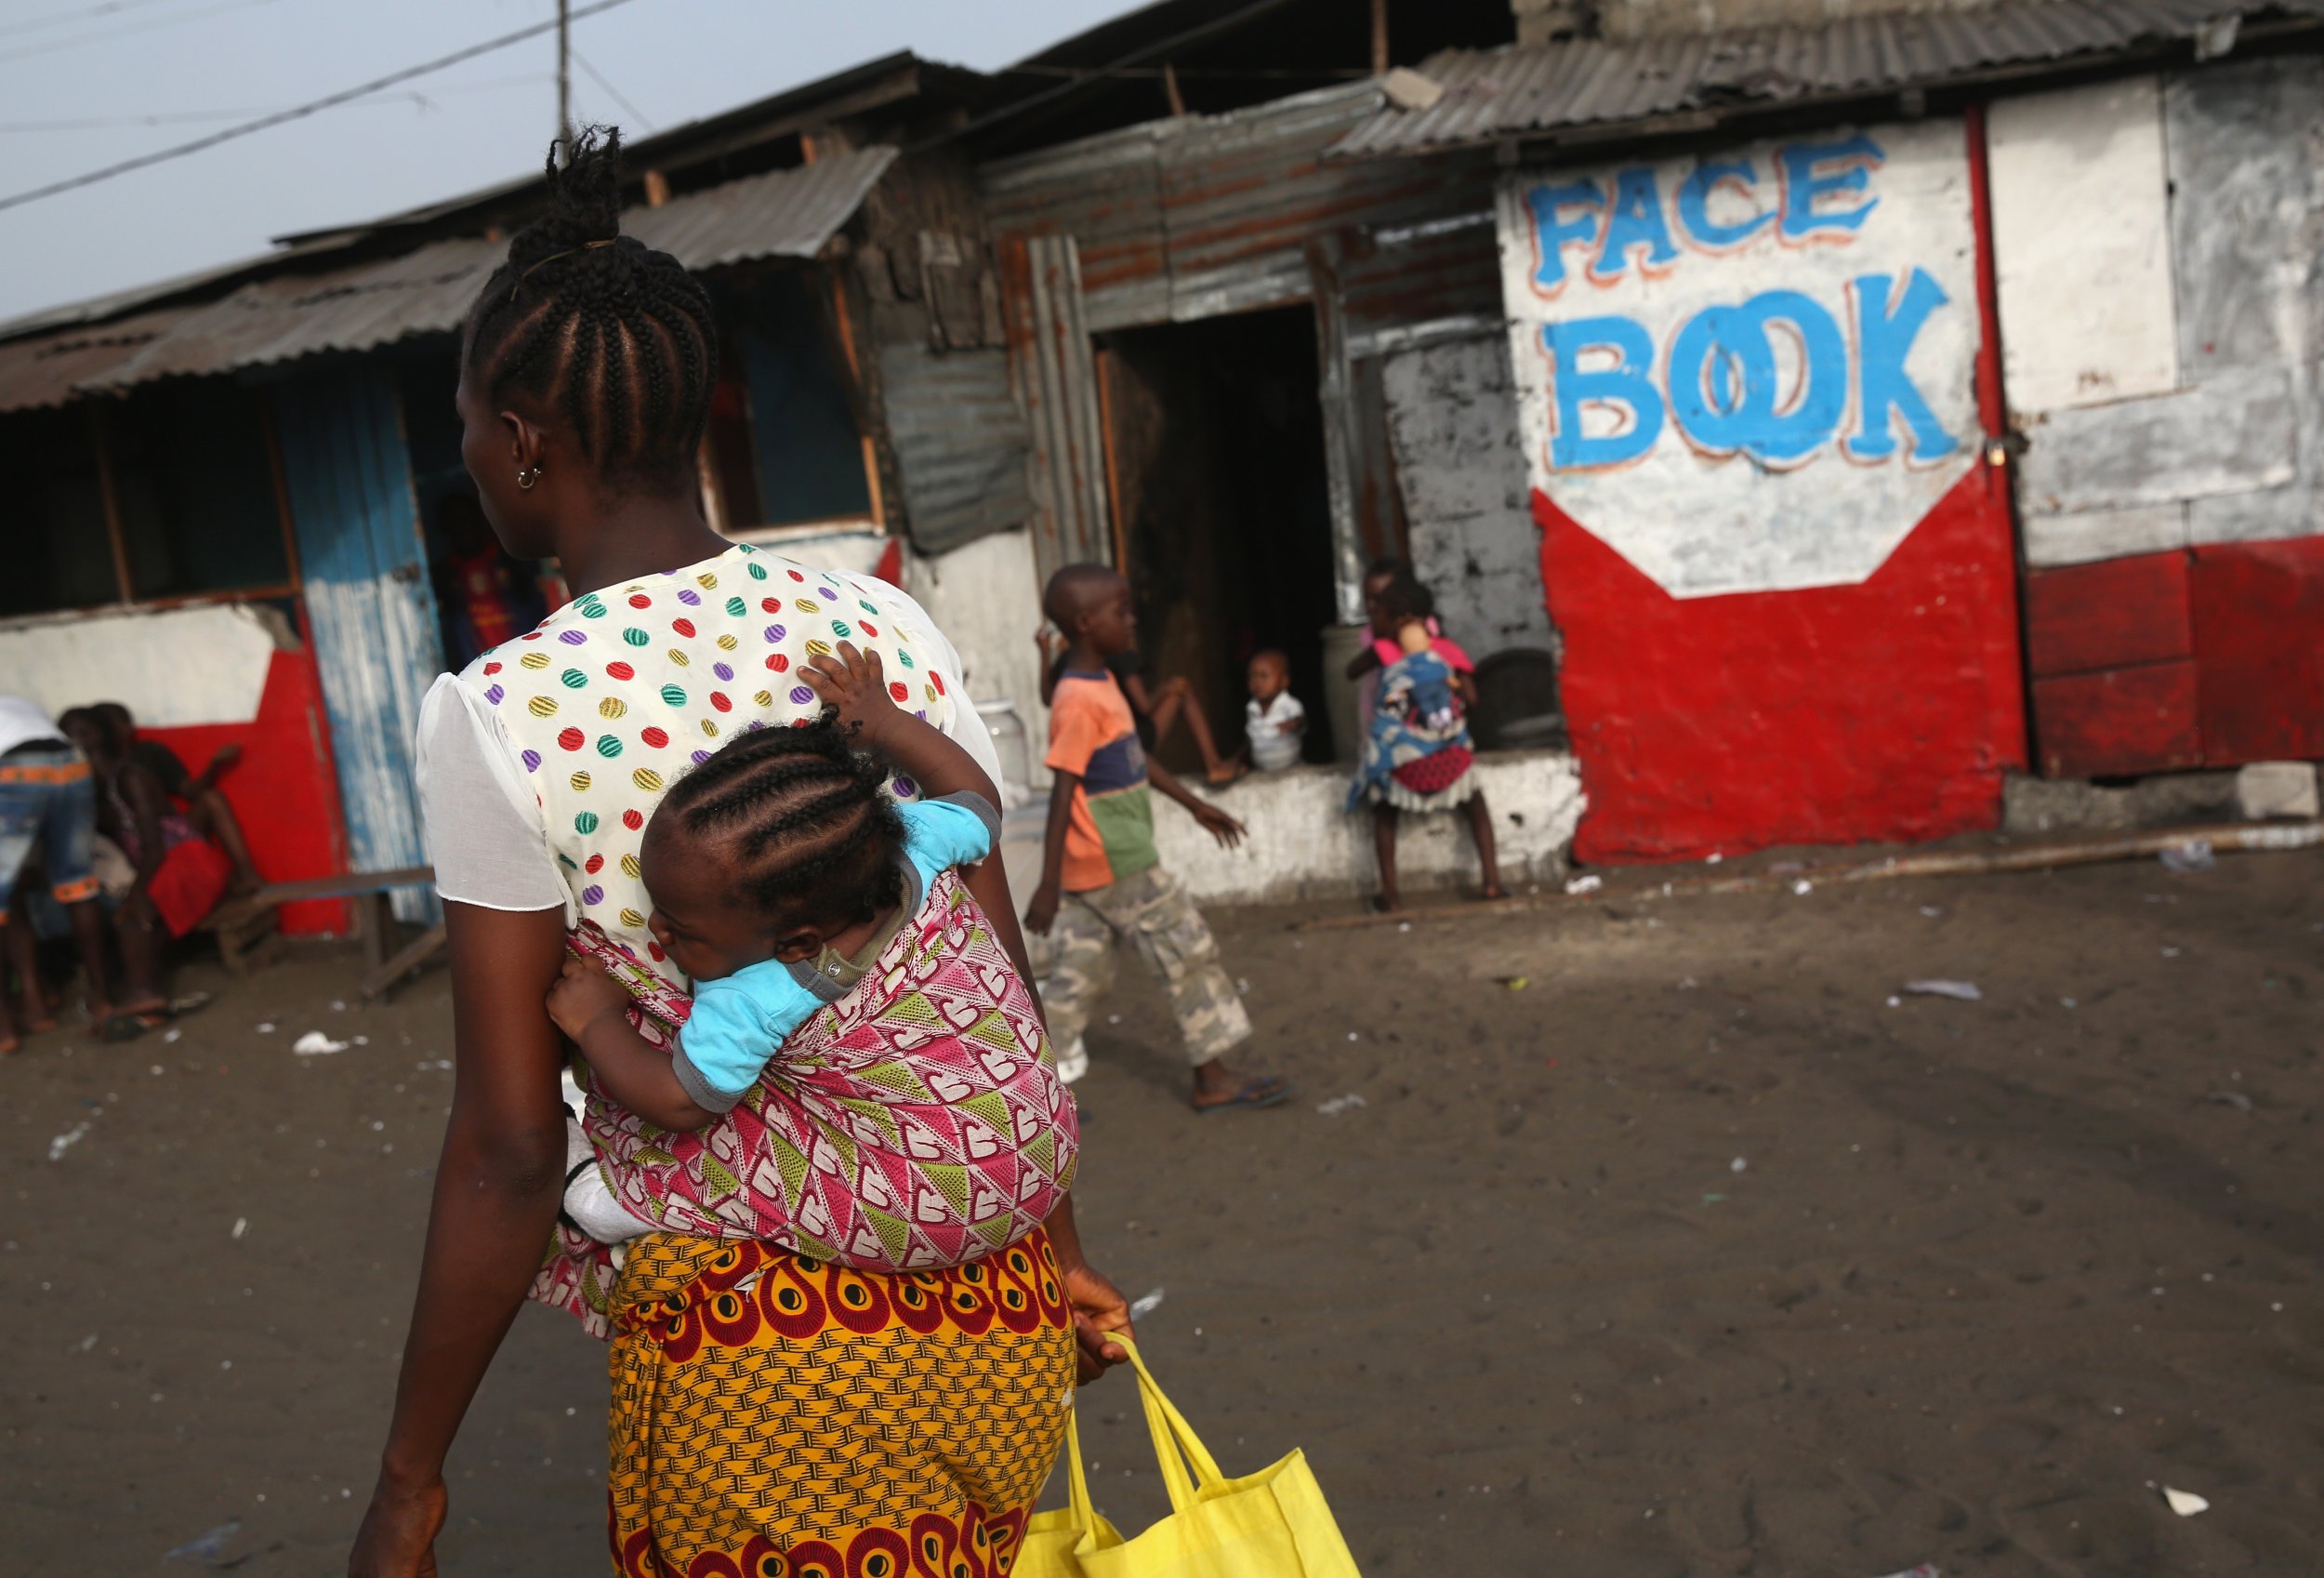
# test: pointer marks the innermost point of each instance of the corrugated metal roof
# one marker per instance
(780, 214)
(1492, 95)
(49, 370)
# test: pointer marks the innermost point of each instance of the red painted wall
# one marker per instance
(2209, 657)
(1886, 710)
(282, 790)
(2258, 610)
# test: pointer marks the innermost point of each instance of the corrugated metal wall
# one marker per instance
(1191, 217)
(1056, 376)
(960, 443)
(2156, 242)
(368, 601)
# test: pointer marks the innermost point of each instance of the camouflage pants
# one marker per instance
(1155, 914)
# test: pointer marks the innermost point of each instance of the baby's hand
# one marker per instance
(584, 994)
(853, 684)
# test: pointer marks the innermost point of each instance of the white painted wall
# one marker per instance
(987, 599)
(170, 667)
(1452, 423)
(1726, 507)
(1301, 845)
(2081, 243)
(2156, 246)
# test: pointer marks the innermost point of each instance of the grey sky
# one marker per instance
(676, 61)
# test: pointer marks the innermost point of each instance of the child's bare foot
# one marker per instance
(1386, 903)
(1492, 892)
(9, 1045)
(1216, 1085)
(1226, 772)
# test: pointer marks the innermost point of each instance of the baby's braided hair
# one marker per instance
(808, 823)
(619, 337)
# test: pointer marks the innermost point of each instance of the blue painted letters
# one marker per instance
(1805, 180)
(1694, 204)
(1724, 390)
(1626, 385)
(1633, 220)
(1884, 339)
(1552, 231)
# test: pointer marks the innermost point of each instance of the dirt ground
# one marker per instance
(1693, 1254)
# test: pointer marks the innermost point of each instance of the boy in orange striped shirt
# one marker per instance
(1102, 878)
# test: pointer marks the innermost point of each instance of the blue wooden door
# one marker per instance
(368, 601)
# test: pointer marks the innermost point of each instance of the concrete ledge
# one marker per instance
(1301, 847)
(2055, 805)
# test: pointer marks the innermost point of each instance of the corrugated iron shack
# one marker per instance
(1907, 397)
(1109, 303)
(233, 488)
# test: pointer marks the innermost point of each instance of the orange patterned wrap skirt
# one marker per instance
(778, 1417)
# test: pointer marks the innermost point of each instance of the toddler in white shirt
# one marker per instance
(1274, 720)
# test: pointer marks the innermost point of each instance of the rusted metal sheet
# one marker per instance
(1203, 215)
(781, 214)
(1049, 354)
(49, 369)
(960, 443)
(1105, 192)
(1492, 95)
(1413, 284)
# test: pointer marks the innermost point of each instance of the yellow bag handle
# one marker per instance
(1172, 1437)
(1084, 1511)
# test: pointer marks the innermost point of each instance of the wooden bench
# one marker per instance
(247, 936)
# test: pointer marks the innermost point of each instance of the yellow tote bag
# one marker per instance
(1271, 1524)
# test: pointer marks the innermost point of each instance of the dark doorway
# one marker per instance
(1215, 448)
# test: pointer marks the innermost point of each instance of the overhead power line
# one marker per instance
(182, 118)
(109, 35)
(80, 14)
(600, 78)
(1137, 57)
(282, 117)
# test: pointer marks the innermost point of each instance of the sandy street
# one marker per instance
(1691, 1255)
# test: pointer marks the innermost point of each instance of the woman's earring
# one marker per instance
(527, 476)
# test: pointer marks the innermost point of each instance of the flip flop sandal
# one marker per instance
(1266, 1091)
(192, 1002)
(122, 1027)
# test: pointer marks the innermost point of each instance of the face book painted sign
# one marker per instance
(1755, 370)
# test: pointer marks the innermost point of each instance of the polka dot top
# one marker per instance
(582, 724)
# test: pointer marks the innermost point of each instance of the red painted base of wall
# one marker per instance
(282, 790)
(1887, 710)
(2259, 650)
(2208, 657)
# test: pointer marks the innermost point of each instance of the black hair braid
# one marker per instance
(616, 338)
(807, 821)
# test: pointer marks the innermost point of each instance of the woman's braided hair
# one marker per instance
(617, 337)
(807, 818)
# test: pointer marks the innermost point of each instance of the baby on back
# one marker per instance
(886, 1072)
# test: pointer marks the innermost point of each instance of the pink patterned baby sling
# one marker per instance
(917, 1123)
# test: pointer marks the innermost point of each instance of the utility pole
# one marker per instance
(564, 73)
(1380, 37)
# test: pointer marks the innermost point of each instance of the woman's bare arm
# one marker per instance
(498, 1186)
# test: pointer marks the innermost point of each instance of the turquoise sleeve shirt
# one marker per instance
(740, 1021)
(938, 834)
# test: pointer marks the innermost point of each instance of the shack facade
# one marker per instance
(1895, 421)
(234, 490)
